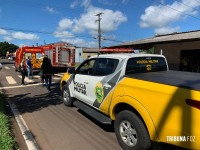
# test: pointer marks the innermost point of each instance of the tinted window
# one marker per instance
(86, 68)
(145, 64)
(106, 66)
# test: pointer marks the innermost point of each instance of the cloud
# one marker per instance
(82, 3)
(7, 38)
(125, 1)
(165, 30)
(86, 3)
(87, 23)
(3, 32)
(162, 15)
(81, 42)
(25, 36)
(63, 34)
(50, 10)
(110, 20)
(65, 24)
(75, 3)
(108, 2)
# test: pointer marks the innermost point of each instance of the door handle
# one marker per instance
(107, 86)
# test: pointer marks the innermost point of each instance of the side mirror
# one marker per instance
(71, 70)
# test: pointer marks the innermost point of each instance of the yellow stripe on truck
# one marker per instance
(162, 112)
(106, 103)
(64, 78)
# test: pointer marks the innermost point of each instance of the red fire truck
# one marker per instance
(36, 54)
(62, 55)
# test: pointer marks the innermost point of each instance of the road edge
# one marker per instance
(26, 133)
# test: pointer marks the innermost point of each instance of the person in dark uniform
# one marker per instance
(47, 71)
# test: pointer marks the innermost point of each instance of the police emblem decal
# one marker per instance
(99, 92)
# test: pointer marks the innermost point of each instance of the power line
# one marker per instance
(43, 32)
(177, 10)
(51, 33)
(40, 4)
(134, 4)
(114, 40)
(189, 6)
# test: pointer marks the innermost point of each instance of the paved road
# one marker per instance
(54, 126)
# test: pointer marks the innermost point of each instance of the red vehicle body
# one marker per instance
(36, 54)
(61, 55)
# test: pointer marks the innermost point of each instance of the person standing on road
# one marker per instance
(47, 71)
(23, 70)
(29, 67)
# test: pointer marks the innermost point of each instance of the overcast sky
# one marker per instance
(31, 22)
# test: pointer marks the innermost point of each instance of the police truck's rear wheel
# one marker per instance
(131, 132)
(66, 97)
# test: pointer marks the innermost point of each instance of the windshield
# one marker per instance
(39, 55)
(145, 64)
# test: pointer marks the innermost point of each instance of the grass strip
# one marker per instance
(6, 140)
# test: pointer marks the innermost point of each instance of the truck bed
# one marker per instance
(175, 78)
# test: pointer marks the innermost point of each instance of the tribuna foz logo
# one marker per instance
(180, 138)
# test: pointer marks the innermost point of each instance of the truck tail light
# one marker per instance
(193, 103)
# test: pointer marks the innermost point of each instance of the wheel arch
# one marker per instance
(63, 83)
(64, 80)
(127, 103)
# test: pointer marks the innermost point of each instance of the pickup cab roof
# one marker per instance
(126, 56)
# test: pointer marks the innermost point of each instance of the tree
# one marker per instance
(6, 47)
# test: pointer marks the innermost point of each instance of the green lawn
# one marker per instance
(6, 140)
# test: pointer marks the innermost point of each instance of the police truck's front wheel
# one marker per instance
(66, 97)
(131, 132)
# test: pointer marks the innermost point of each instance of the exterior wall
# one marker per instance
(83, 53)
(79, 55)
(172, 51)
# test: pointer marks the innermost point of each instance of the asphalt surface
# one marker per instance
(53, 125)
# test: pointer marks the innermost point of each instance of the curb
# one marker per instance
(26, 133)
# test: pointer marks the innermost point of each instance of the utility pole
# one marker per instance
(99, 30)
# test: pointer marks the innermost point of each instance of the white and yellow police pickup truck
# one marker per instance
(137, 92)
